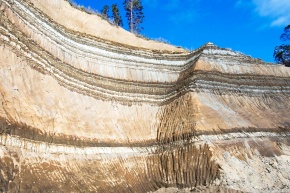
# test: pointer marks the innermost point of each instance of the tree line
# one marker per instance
(282, 52)
(134, 14)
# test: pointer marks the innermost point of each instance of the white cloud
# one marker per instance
(278, 10)
(281, 21)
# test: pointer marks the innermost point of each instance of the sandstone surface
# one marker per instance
(97, 109)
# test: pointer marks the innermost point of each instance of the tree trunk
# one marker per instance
(131, 18)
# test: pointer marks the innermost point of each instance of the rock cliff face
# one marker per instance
(90, 110)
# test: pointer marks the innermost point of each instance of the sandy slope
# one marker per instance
(96, 26)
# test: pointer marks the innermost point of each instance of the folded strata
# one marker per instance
(90, 110)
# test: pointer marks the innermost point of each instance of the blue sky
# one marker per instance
(252, 27)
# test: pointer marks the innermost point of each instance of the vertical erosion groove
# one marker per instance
(186, 166)
(9, 173)
(176, 120)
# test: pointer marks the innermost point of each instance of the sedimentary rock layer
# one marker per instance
(85, 112)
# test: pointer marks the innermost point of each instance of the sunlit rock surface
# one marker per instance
(88, 107)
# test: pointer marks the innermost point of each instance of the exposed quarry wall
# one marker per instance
(84, 110)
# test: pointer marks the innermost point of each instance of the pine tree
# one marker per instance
(116, 15)
(105, 11)
(134, 14)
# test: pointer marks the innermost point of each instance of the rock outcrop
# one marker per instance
(88, 107)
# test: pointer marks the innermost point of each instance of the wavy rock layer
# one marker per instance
(79, 113)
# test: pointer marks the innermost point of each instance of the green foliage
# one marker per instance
(116, 15)
(282, 52)
(105, 11)
(134, 14)
(286, 34)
